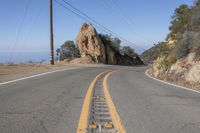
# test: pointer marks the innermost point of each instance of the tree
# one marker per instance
(195, 19)
(116, 43)
(129, 51)
(113, 42)
(180, 21)
(197, 3)
(68, 50)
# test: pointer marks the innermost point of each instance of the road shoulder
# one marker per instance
(172, 84)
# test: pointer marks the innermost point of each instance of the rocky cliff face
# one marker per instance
(91, 46)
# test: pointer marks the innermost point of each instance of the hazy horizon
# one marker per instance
(141, 22)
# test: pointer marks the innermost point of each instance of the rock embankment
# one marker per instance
(185, 71)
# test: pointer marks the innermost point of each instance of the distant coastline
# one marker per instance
(24, 57)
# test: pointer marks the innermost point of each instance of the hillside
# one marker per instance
(148, 56)
(179, 59)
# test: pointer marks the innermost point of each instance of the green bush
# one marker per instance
(180, 21)
(190, 42)
(67, 50)
(113, 42)
(162, 63)
(171, 59)
(163, 48)
(195, 22)
(181, 49)
(129, 51)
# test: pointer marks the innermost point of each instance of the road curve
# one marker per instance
(148, 106)
(52, 103)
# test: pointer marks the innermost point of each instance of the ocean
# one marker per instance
(24, 57)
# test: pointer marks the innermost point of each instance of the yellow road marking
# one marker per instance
(114, 115)
(93, 126)
(83, 121)
(108, 125)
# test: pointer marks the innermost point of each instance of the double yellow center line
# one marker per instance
(84, 116)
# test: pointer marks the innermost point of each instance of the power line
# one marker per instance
(107, 8)
(120, 12)
(89, 18)
(30, 30)
(106, 5)
(78, 15)
(83, 15)
(127, 18)
(19, 30)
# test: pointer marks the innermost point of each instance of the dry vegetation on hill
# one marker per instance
(178, 59)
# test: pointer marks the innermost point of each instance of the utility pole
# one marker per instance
(51, 34)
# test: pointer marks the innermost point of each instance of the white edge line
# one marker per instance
(37, 75)
(182, 87)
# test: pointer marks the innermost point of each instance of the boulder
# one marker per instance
(90, 44)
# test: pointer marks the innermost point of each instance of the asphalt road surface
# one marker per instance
(52, 103)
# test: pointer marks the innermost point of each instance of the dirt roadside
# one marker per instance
(178, 82)
(15, 71)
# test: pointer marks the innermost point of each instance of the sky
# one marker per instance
(24, 36)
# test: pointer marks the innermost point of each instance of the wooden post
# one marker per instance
(51, 34)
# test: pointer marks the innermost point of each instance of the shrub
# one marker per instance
(195, 22)
(113, 42)
(129, 51)
(162, 63)
(182, 47)
(163, 48)
(180, 21)
(171, 59)
(68, 50)
(190, 42)
(195, 42)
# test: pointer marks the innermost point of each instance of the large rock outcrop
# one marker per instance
(92, 47)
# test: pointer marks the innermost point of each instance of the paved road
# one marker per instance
(148, 106)
(52, 103)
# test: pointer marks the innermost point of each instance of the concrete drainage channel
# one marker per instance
(100, 120)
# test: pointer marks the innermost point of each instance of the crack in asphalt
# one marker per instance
(43, 126)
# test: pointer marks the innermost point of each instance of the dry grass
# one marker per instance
(176, 79)
(14, 71)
